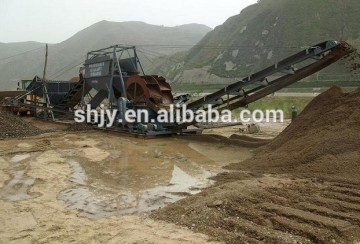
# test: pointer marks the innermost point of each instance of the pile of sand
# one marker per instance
(13, 126)
(324, 139)
(289, 191)
(263, 201)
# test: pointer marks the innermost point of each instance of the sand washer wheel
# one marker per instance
(149, 89)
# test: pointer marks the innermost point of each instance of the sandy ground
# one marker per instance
(95, 187)
(267, 130)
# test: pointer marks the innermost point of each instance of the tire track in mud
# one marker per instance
(324, 216)
(297, 212)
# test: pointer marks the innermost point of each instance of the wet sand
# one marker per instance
(98, 187)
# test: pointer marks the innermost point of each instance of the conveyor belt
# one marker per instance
(4, 94)
(74, 96)
(259, 85)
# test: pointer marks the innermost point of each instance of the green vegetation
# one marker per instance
(220, 145)
(297, 87)
(283, 103)
(162, 144)
(322, 84)
(196, 88)
(273, 102)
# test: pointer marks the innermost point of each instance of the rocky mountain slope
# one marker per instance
(65, 57)
(263, 34)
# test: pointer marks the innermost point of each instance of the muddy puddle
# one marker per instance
(113, 176)
(18, 187)
(140, 176)
(98, 201)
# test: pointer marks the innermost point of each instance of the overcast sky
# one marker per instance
(53, 21)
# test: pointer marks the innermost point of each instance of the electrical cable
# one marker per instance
(21, 53)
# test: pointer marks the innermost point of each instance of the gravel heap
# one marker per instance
(13, 126)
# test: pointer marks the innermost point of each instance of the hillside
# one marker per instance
(65, 57)
(263, 34)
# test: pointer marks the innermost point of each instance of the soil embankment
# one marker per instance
(302, 187)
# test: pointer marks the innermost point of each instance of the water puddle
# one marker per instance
(140, 176)
(17, 188)
(98, 201)
(78, 176)
(18, 158)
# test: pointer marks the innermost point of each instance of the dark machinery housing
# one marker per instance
(116, 74)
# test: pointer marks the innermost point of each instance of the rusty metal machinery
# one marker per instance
(149, 89)
(64, 97)
(117, 72)
(114, 75)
